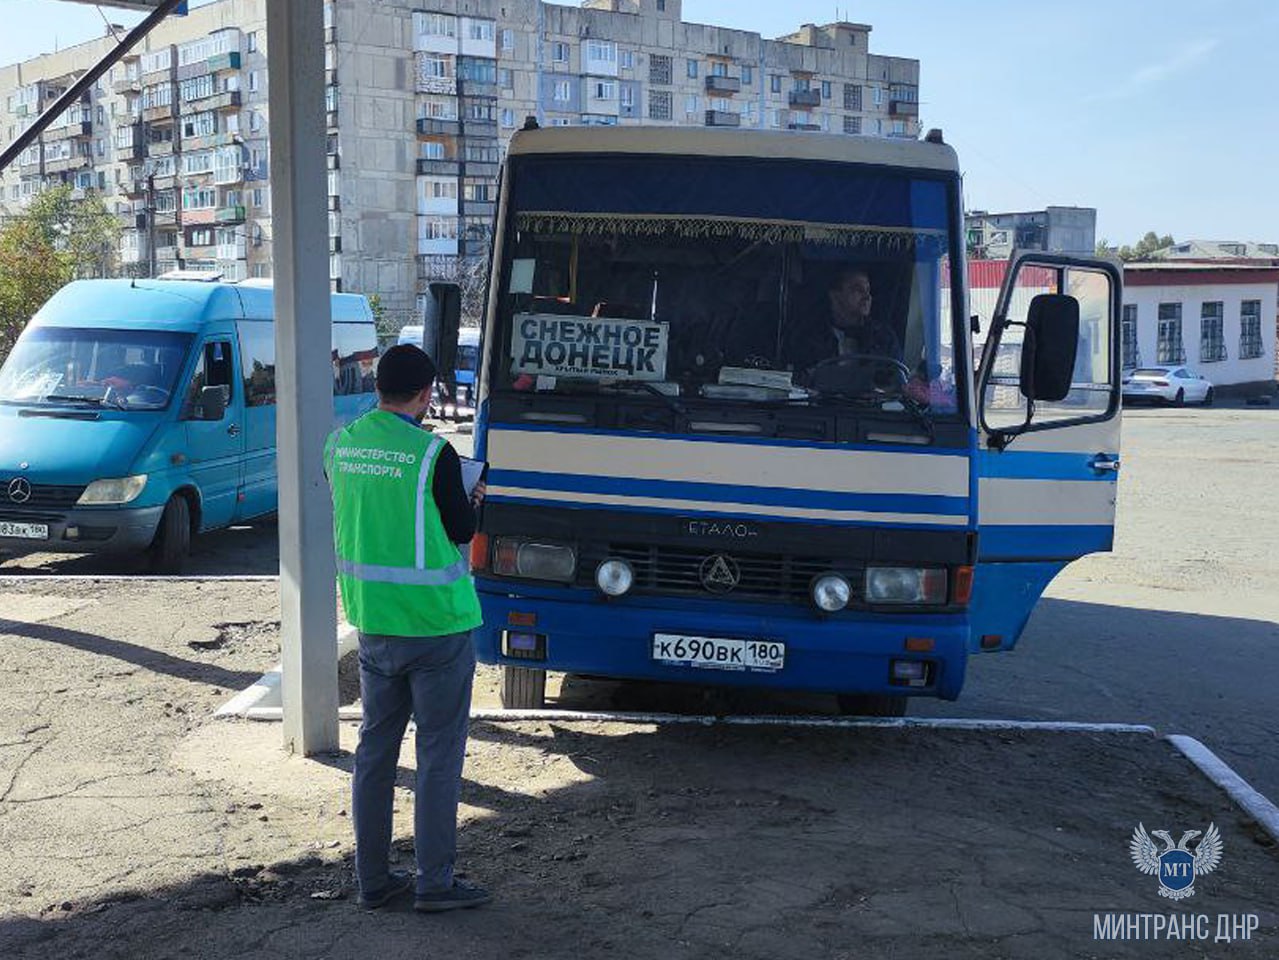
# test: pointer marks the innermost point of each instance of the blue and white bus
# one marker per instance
(699, 473)
(135, 414)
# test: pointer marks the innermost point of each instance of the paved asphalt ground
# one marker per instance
(1177, 628)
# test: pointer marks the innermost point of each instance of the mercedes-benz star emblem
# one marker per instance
(720, 574)
(19, 490)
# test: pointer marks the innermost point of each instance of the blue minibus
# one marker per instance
(136, 414)
(736, 427)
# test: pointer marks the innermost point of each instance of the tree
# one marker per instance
(1146, 246)
(32, 270)
(83, 228)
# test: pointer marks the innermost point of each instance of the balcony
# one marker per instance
(476, 88)
(716, 84)
(437, 168)
(70, 131)
(903, 108)
(208, 140)
(127, 85)
(232, 251)
(805, 98)
(166, 253)
(334, 161)
(64, 164)
(475, 248)
(162, 111)
(483, 209)
(430, 125)
(723, 118)
(480, 168)
(226, 100)
(223, 61)
(134, 151)
(160, 148)
(811, 127)
(166, 218)
(480, 129)
(30, 166)
(231, 214)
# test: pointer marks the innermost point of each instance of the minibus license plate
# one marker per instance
(24, 531)
(712, 653)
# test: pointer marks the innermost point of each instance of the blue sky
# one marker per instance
(1163, 115)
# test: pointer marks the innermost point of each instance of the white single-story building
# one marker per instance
(1216, 318)
(1219, 319)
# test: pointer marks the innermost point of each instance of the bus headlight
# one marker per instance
(515, 557)
(905, 585)
(831, 593)
(614, 577)
(121, 490)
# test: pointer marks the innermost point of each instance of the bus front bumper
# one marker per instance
(123, 530)
(849, 653)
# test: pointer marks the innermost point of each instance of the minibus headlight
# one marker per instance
(122, 490)
(614, 577)
(515, 557)
(905, 585)
(831, 593)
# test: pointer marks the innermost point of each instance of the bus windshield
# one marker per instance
(119, 369)
(797, 283)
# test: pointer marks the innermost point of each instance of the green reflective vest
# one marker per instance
(398, 572)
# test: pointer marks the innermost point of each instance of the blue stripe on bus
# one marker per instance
(917, 449)
(693, 512)
(1041, 542)
(723, 492)
(1035, 465)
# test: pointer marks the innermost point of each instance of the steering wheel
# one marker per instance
(861, 373)
(148, 395)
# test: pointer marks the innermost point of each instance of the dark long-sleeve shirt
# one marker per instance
(456, 511)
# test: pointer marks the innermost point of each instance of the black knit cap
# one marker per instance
(404, 369)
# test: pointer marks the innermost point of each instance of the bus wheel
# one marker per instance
(871, 705)
(523, 688)
(172, 543)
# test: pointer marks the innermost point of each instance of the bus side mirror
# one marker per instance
(442, 321)
(1048, 351)
(212, 403)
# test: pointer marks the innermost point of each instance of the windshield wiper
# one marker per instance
(119, 403)
(672, 402)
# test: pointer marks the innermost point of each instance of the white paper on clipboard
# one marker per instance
(472, 473)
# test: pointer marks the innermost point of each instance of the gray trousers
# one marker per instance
(428, 678)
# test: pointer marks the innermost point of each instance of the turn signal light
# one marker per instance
(480, 551)
(961, 585)
(920, 644)
(991, 641)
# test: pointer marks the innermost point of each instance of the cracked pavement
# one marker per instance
(132, 825)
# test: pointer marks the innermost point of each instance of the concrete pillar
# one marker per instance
(303, 373)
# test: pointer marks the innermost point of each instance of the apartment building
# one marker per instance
(420, 100)
(1054, 229)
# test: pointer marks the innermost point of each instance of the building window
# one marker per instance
(436, 24)
(826, 89)
(433, 67)
(853, 125)
(1250, 330)
(255, 121)
(561, 122)
(1131, 356)
(852, 96)
(661, 6)
(508, 118)
(481, 30)
(1169, 348)
(879, 96)
(693, 68)
(506, 78)
(563, 92)
(692, 104)
(659, 69)
(601, 51)
(559, 52)
(626, 59)
(659, 104)
(603, 90)
(626, 97)
(775, 83)
(748, 76)
(253, 81)
(433, 150)
(1212, 335)
(253, 41)
(508, 38)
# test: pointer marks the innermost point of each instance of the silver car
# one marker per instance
(1168, 384)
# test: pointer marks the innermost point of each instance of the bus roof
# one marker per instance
(696, 141)
(182, 305)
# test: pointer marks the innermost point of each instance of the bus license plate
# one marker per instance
(24, 531)
(712, 653)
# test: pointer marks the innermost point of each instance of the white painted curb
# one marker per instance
(1254, 803)
(264, 700)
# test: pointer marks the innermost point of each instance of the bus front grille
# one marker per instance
(681, 571)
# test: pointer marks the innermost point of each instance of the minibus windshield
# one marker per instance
(796, 283)
(117, 369)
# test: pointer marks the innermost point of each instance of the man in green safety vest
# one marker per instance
(399, 512)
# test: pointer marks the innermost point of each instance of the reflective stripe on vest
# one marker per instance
(423, 475)
(405, 576)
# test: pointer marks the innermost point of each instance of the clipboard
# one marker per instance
(473, 471)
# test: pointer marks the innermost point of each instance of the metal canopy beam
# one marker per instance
(303, 371)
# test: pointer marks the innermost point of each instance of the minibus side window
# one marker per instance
(213, 369)
(354, 358)
(257, 354)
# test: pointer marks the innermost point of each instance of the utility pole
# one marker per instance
(151, 257)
